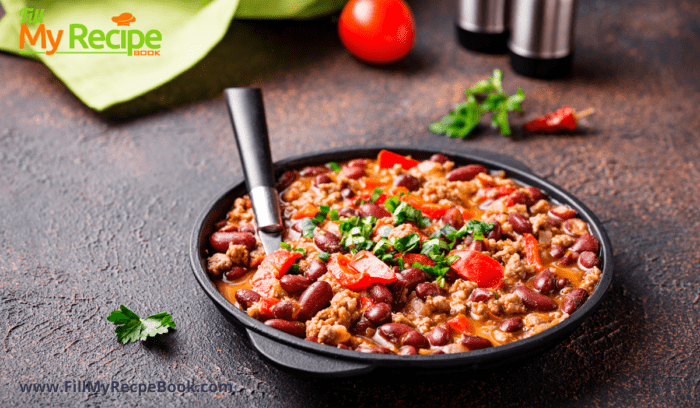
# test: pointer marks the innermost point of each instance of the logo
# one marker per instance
(124, 19)
(82, 40)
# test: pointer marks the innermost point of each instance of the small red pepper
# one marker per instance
(561, 120)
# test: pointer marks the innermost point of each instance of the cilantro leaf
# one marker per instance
(307, 228)
(333, 215)
(321, 214)
(403, 212)
(286, 246)
(334, 166)
(357, 232)
(467, 115)
(324, 256)
(376, 194)
(130, 327)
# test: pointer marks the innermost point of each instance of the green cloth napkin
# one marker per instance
(190, 29)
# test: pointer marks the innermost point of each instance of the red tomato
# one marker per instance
(532, 252)
(345, 275)
(410, 259)
(460, 324)
(377, 31)
(378, 271)
(478, 268)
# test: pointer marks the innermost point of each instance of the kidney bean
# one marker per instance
(535, 193)
(315, 298)
(353, 172)
(481, 295)
(286, 179)
(535, 300)
(439, 158)
(235, 273)
(374, 350)
(249, 228)
(512, 325)
(563, 212)
(587, 259)
(380, 294)
(553, 222)
(221, 240)
(425, 289)
(313, 171)
(285, 310)
(415, 339)
(315, 270)
(544, 281)
(507, 235)
(585, 242)
(373, 210)
(575, 227)
(347, 212)
(221, 224)
(322, 179)
(474, 342)
(408, 181)
(297, 226)
(294, 283)
(435, 352)
(327, 241)
(454, 217)
(312, 339)
(297, 329)
(407, 351)
(451, 275)
(562, 283)
(520, 197)
(557, 251)
(394, 331)
(495, 232)
(357, 163)
(413, 277)
(378, 314)
(466, 173)
(574, 300)
(361, 326)
(347, 193)
(439, 336)
(520, 223)
(246, 298)
(477, 246)
(567, 259)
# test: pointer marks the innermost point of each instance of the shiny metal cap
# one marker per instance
(482, 16)
(542, 29)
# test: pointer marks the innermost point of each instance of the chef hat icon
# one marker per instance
(124, 19)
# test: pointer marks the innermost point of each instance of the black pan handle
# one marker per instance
(300, 360)
(245, 105)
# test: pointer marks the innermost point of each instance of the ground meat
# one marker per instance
(333, 335)
(509, 304)
(459, 293)
(402, 230)
(563, 240)
(480, 311)
(516, 269)
(242, 212)
(437, 304)
(344, 311)
(538, 221)
(590, 280)
(540, 207)
(517, 208)
(328, 277)
(218, 263)
(238, 254)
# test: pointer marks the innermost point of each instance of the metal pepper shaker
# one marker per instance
(541, 43)
(482, 25)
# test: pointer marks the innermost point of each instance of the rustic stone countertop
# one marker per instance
(97, 209)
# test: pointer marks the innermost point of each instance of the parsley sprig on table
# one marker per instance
(467, 115)
(130, 327)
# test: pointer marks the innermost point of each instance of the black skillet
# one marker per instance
(303, 356)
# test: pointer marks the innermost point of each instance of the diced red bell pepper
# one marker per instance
(346, 276)
(478, 268)
(388, 159)
(273, 267)
(372, 183)
(307, 211)
(432, 210)
(410, 259)
(266, 305)
(378, 271)
(532, 252)
(461, 324)
(380, 199)
(365, 302)
(560, 120)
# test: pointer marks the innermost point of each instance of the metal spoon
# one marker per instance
(245, 105)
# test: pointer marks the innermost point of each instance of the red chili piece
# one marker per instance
(561, 120)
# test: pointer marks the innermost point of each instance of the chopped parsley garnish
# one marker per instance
(309, 224)
(467, 115)
(130, 327)
(324, 256)
(294, 269)
(384, 231)
(476, 228)
(334, 166)
(357, 232)
(376, 194)
(403, 212)
(307, 228)
(321, 214)
(333, 215)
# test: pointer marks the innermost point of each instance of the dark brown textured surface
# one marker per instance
(97, 212)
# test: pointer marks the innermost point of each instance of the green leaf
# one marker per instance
(307, 228)
(324, 256)
(321, 214)
(130, 327)
(286, 246)
(334, 166)
(376, 194)
(333, 215)
(294, 269)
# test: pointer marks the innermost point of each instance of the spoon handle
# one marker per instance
(247, 112)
